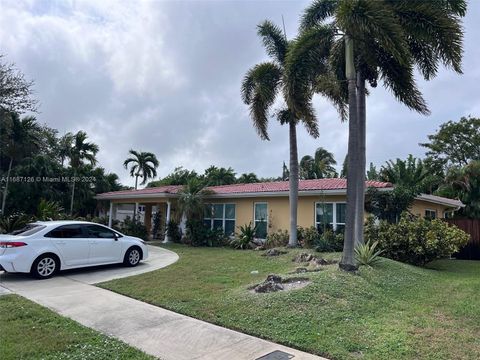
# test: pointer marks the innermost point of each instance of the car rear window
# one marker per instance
(28, 230)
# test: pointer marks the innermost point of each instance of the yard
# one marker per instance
(30, 331)
(393, 311)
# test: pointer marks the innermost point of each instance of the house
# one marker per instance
(267, 204)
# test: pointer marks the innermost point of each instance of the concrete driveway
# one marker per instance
(158, 332)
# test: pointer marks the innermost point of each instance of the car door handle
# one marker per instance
(61, 242)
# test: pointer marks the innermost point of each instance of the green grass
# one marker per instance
(391, 311)
(30, 331)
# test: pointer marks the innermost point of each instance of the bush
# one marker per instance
(414, 240)
(173, 232)
(199, 235)
(15, 221)
(276, 239)
(307, 236)
(366, 254)
(329, 241)
(134, 228)
(244, 240)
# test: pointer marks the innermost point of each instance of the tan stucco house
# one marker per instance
(267, 204)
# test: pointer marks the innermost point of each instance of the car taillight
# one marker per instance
(11, 244)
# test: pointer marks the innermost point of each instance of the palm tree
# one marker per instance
(64, 146)
(379, 39)
(191, 201)
(320, 166)
(215, 176)
(248, 178)
(21, 139)
(142, 164)
(260, 87)
(80, 152)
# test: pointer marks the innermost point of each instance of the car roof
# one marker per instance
(63, 222)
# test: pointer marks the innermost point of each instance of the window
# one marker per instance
(430, 214)
(261, 219)
(220, 216)
(331, 215)
(28, 230)
(66, 232)
(97, 231)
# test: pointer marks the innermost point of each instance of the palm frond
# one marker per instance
(317, 13)
(274, 40)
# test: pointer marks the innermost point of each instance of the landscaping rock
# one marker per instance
(302, 270)
(274, 278)
(268, 286)
(274, 252)
(276, 283)
(321, 261)
(304, 258)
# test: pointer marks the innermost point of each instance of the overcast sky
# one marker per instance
(164, 76)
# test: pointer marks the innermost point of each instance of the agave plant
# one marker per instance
(245, 238)
(365, 254)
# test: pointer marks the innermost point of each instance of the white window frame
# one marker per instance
(334, 222)
(255, 213)
(212, 218)
(432, 210)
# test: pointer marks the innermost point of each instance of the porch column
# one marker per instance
(148, 218)
(110, 214)
(167, 220)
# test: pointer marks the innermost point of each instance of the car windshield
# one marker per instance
(28, 230)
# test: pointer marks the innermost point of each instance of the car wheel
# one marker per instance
(132, 256)
(45, 267)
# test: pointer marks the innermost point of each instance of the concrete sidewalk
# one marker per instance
(159, 332)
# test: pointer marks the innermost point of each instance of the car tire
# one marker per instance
(45, 266)
(132, 256)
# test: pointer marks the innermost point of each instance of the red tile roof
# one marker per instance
(274, 186)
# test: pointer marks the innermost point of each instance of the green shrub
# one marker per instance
(15, 221)
(49, 210)
(198, 234)
(134, 228)
(244, 240)
(414, 240)
(276, 239)
(173, 232)
(307, 236)
(366, 254)
(329, 241)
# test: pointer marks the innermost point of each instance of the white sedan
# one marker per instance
(46, 247)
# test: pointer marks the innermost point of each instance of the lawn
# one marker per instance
(392, 311)
(30, 331)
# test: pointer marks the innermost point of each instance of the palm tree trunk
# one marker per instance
(73, 192)
(5, 191)
(360, 201)
(293, 184)
(135, 205)
(348, 262)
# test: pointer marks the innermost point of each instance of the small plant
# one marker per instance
(366, 254)
(245, 238)
(173, 231)
(13, 222)
(277, 239)
(49, 210)
(134, 228)
(329, 241)
(198, 234)
(307, 236)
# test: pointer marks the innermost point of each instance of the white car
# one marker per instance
(46, 247)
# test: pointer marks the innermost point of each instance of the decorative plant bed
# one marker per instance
(275, 283)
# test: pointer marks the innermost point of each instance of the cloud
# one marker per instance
(164, 76)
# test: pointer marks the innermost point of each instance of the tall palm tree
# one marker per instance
(20, 139)
(191, 201)
(80, 152)
(142, 164)
(260, 88)
(215, 176)
(379, 39)
(320, 166)
(248, 178)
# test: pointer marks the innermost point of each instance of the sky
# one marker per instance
(165, 77)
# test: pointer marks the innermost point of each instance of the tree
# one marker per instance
(215, 176)
(410, 173)
(179, 176)
(372, 173)
(464, 183)
(15, 92)
(380, 39)
(318, 167)
(248, 178)
(19, 139)
(455, 143)
(389, 205)
(143, 165)
(191, 202)
(80, 152)
(260, 87)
